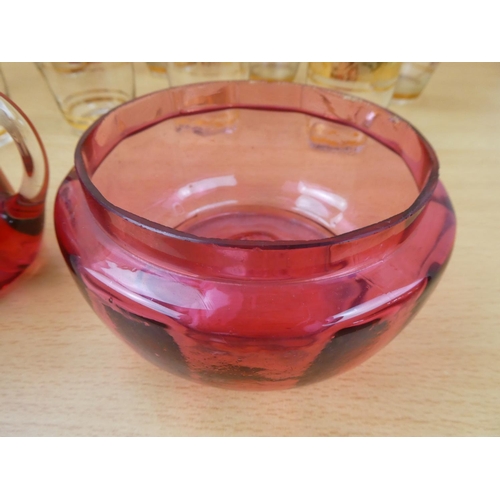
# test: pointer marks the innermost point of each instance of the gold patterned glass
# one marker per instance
(374, 81)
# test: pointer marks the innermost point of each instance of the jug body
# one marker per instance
(22, 209)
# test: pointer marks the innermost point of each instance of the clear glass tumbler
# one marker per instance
(274, 71)
(184, 73)
(374, 81)
(412, 80)
(158, 69)
(84, 91)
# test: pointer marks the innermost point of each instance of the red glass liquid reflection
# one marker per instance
(21, 227)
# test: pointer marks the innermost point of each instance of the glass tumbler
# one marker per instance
(374, 81)
(158, 69)
(412, 80)
(273, 71)
(84, 91)
(184, 73)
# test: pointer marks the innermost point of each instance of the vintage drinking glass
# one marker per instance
(3, 85)
(412, 80)
(254, 235)
(374, 81)
(158, 69)
(273, 71)
(22, 211)
(84, 91)
(184, 73)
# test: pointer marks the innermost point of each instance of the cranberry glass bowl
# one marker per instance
(254, 235)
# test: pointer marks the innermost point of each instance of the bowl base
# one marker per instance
(256, 223)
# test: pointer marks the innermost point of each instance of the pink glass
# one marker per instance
(22, 211)
(254, 235)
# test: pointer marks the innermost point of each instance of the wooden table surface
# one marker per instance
(62, 372)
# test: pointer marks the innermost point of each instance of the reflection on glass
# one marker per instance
(322, 205)
(334, 136)
(4, 137)
(216, 122)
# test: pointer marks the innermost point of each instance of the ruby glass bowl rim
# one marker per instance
(411, 213)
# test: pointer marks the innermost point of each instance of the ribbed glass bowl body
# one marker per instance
(254, 235)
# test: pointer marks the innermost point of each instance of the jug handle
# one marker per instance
(29, 201)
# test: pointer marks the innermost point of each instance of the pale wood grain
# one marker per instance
(63, 373)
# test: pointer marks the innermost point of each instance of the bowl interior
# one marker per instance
(258, 174)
